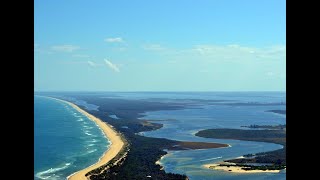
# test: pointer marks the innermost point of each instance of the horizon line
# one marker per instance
(157, 91)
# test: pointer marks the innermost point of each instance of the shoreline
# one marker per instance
(116, 143)
(236, 169)
(158, 162)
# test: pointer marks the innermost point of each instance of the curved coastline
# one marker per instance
(116, 143)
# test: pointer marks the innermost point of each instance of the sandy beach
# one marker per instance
(116, 144)
(159, 163)
(236, 169)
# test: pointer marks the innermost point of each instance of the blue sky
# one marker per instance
(167, 45)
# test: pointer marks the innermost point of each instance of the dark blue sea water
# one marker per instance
(65, 141)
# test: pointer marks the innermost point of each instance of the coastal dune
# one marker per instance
(116, 144)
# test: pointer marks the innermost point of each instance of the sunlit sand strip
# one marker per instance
(116, 144)
(236, 169)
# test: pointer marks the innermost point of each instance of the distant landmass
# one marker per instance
(272, 134)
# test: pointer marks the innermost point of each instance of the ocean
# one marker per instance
(65, 141)
(208, 110)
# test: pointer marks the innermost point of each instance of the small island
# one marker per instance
(272, 161)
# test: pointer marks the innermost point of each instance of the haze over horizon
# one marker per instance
(166, 45)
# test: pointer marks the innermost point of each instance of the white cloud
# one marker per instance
(92, 64)
(237, 52)
(153, 47)
(216, 49)
(114, 40)
(112, 66)
(65, 48)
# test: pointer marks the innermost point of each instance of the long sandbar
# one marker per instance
(237, 169)
(116, 144)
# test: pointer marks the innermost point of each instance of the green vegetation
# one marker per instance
(111, 167)
(144, 152)
(196, 145)
(251, 167)
(268, 127)
(275, 135)
(142, 155)
(137, 160)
